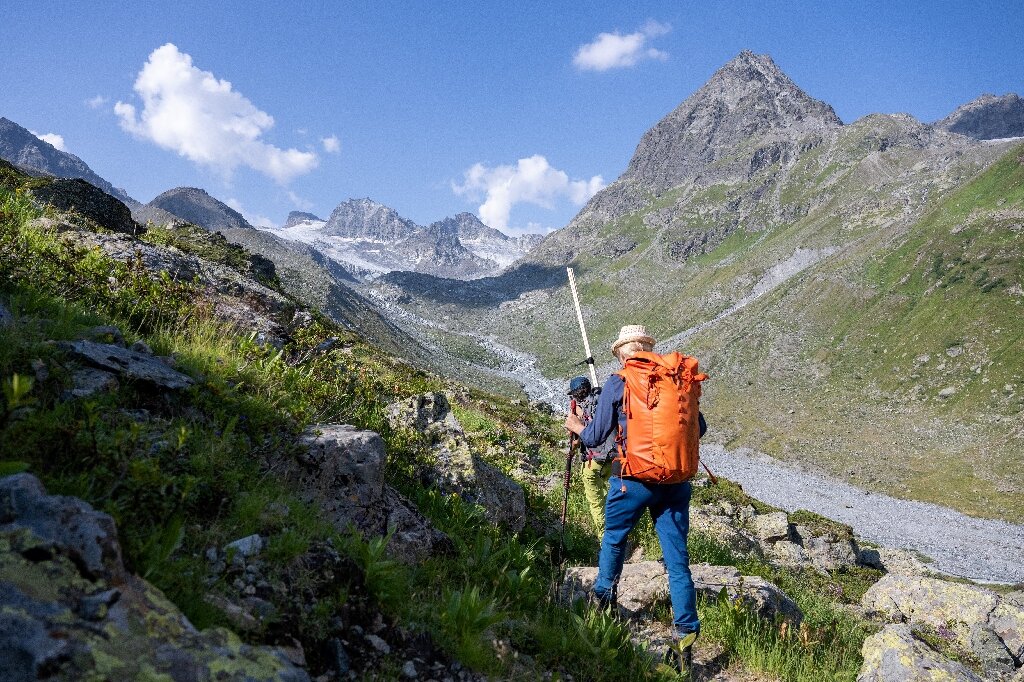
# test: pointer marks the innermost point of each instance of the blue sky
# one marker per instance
(439, 107)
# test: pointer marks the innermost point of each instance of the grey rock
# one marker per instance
(68, 603)
(89, 381)
(141, 347)
(248, 546)
(428, 412)
(296, 217)
(379, 644)
(127, 364)
(339, 657)
(80, 197)
(895, 655)
(975, 615)
(64, 525)
(771, 527)
(644, 585)
(761, 596)
(341, 472)
(6, 317)
(409, 671)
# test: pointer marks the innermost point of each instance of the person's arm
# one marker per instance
(605, 416)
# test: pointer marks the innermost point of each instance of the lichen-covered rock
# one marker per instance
(341, 471)
(455, 467)
(70, 611)
(895, 655)
(127, 364)
(980, 620)
(644, 585)
(89, 381)
(897, 561)
(762, 597)
(771, 527)
(724, 530)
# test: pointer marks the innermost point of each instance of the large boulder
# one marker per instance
(895, 655)
(978, 619)
(341, 471)
(762, 597)
(89, 202)
(455, 468)
(69, 610)
(644, 585)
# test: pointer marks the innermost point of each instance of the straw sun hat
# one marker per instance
(632, 332)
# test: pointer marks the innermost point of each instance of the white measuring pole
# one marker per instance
(583, 329)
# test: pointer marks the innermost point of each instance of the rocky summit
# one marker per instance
(196, 206)
(987, 118)
(23, 149)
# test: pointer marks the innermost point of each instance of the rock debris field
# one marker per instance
(961, 545)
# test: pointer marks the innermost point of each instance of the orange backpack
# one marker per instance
(661, 400)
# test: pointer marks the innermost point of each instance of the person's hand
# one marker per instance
(574, 424)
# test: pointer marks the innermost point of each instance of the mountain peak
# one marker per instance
(988, 117)
(20, 147)
(297, 217)
(746, 100)
(196, 206)
(368, 219)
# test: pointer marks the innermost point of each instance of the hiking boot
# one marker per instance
(680, 655)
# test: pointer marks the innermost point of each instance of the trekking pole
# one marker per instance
(583, 329)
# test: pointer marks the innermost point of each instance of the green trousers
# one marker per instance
(595, 487)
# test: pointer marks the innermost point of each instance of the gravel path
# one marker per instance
(961, 545)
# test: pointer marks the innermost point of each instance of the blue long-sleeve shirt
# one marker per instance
(608, 414)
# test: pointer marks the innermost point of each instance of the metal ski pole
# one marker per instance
(583, 329)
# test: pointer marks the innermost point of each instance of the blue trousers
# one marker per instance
(670, 509)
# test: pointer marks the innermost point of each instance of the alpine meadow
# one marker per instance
(344, 445)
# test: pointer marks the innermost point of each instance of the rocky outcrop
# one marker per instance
(127, 364)
(455, 468)
(895, 655)
(196, 206)
(977, 619)
(89, 202)
(69, 610)
(773, 536)
(235, 298)
(341, 472)
(644, 585)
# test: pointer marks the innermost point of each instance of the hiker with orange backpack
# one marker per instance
(653, 406)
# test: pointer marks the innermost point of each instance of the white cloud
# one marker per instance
(53, 138)
(254, 219)
(332, 144)
(96, 102)
(532, 181)
(202, 118)
(299, 202)
(614, 50)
